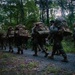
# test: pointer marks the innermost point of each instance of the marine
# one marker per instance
(39, 35)
(10, 37)
(57, 44)
(21, 38)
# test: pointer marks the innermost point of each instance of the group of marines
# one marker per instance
(39, 36)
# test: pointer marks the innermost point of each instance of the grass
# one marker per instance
(52, 70)
(68, 46)
(15, 64)
(12, 64)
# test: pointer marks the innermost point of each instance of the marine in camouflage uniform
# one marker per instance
(51, 31)
(21, 38)
(57, 44)
(18, 39)
(10, 37)
(52, 28)
(25, 37)
(38, 40)
(3, 41)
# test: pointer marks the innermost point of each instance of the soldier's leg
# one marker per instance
(18, 46)
(21, 49)
(12, 40)
(2, 44)
(10, 48)
(46, 53)
(35, 44)
(63, 53)
(35, 50)
(39, 48)
(57, 52)
(26, 44)
(5, 43)
(42, 46)
(18, 52)
(10, 45)
(19, 43)
(54, 49)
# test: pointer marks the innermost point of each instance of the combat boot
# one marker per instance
(51, 57)
(21, 51)
(46, 54)
(64, 60)
(18, 51)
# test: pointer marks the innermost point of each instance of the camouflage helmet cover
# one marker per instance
(38, 23)
(59, 21)
(10, 28)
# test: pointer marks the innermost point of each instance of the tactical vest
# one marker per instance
(23, 32)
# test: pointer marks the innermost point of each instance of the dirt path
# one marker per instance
(45, 62)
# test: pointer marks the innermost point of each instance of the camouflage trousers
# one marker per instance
(57, 46)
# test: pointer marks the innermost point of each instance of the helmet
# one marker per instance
(52, 21)
(37, 23)
(59, 21)
(10, 28)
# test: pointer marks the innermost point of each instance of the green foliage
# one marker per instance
(5, 55)
(31, 13)
(25, 12)
(67, 45)
(17, 65)
(50, 69)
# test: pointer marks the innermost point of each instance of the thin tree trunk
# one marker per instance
(22, 12)
(47, 7)
(10, 15)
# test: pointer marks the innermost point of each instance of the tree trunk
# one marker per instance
(47, 8)
(22, 13)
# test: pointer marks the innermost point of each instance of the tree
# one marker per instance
(19, 11)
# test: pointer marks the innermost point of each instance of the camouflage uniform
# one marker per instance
(21, 38)
(3, 41)
(52, 29)
(18, 40)
(38, 41)
(25, 37)
(57, 45)
(10, 36)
